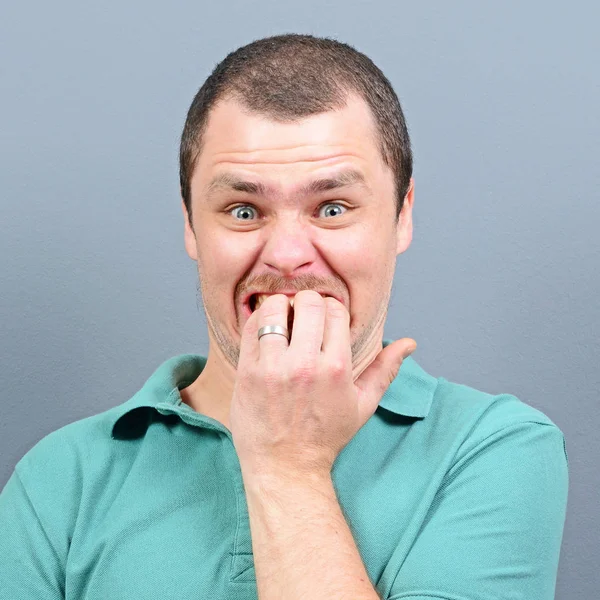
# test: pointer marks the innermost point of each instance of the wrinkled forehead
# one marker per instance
(344, 138)
(233, 130)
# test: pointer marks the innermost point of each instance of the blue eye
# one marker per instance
(335, 204)
(245, 207)
(249, 206)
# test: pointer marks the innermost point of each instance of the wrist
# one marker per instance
(277, 480)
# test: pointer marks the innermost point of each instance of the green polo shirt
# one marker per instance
(450, 493)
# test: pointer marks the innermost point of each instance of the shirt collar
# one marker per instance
(410, 394)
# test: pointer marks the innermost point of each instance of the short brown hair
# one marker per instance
(288, 77)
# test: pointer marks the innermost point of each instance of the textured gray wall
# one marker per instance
(499, 287)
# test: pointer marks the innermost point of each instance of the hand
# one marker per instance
(295, 406)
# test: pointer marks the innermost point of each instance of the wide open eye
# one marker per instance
(248, 208)
(336, 204)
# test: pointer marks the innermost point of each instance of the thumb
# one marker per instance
(376, 378)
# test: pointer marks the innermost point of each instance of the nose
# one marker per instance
(289, 246)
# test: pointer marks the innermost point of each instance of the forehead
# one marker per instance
(235, 135)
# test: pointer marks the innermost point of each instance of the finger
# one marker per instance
(249, 347)
(378, 376)
(273, 311)
(309, 323)
(337, 343)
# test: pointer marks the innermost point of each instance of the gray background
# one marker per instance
(499, 287)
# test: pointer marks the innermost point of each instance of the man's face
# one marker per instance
(259, 225)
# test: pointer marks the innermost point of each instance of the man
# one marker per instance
(305, 457)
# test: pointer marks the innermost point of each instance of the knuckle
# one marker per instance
(337, 368)
(335, 308)
(273, 306)
(310, 298)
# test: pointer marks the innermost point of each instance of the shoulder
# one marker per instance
(58, 476)
(57, 463)
(503, 408)
(479, 418)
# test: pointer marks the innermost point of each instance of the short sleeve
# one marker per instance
(29, 564)
(495, 528)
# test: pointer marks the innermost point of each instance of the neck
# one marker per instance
(210, 394)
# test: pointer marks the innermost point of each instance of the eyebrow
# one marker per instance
(230, 181)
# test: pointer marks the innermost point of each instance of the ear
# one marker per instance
(404, 228)
(189, 237)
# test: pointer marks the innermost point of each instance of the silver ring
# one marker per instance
(274, 329)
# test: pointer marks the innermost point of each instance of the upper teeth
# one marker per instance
(260, 298)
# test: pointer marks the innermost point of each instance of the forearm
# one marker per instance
(302, 545)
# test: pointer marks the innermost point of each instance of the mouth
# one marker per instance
(251, 303)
